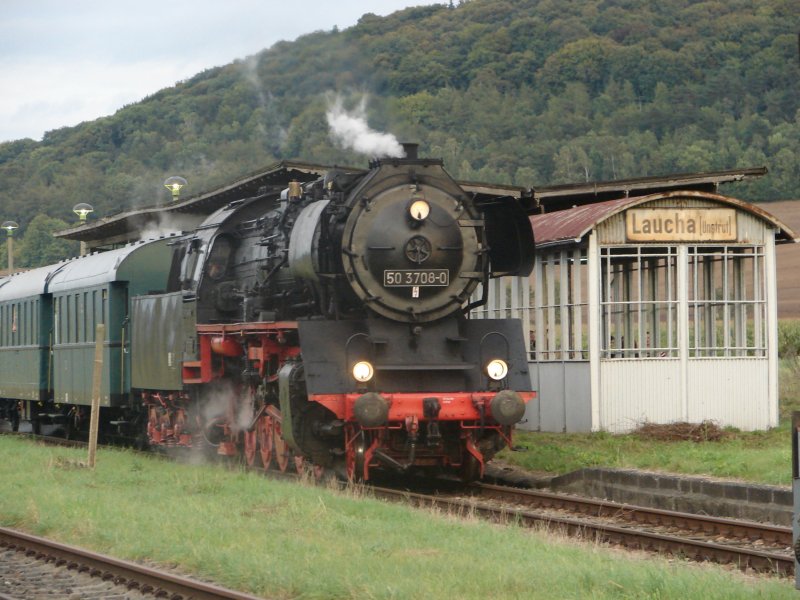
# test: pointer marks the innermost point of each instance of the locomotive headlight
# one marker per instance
(363, 371)
(419, 210)
(497, 369)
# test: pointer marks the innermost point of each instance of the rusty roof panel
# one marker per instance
(569, 226)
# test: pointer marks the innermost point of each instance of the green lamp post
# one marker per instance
(82, 210)
(174, 185)
(10, 227)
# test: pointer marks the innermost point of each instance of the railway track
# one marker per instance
(748, 545)
(46, 560)
(695, 537)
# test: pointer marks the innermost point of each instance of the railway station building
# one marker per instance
(652, 299)
(657, 306)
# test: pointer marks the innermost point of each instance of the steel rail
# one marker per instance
(123, 572)
(693, 549)
(707, 525)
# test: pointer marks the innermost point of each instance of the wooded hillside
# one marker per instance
(531, 92)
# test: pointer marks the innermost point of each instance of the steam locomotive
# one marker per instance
(326, 324)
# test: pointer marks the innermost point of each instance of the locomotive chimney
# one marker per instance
(410, 150)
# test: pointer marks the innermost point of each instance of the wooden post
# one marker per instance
(97, 380)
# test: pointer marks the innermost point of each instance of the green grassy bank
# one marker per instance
(759, 457)
(283, 540)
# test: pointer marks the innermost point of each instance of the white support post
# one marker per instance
(595, 315)
(683, 327)
(772, 327)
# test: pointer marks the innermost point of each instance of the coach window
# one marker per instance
(639, 301)
(74, 316)
(56, 321)
(35, 325)
(69, 319)
(80, 312)
(26, 331)
(93, 312)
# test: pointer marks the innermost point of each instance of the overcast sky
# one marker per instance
(67, 61)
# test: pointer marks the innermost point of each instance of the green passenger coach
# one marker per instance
(98, 289)
(25, 336)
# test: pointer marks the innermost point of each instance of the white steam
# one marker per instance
(350, 130)
(166, 225)
(224, 403)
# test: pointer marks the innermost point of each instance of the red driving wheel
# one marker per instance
(250, 441)
(281, 448)
(264, 434)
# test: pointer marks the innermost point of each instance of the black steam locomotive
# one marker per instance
(325, 324)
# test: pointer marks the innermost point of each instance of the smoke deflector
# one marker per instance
(510, 237)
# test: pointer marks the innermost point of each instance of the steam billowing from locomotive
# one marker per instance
(350, 130)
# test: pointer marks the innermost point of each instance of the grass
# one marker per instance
(284, 540)
(758, 456)
(763, 457)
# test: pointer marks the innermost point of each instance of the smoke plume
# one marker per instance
(350, 130)
(166, 225)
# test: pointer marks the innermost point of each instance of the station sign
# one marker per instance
(680, 225)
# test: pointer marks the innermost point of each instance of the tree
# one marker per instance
(38, 247)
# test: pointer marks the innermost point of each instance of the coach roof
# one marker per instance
(25, 284)
(144, 262)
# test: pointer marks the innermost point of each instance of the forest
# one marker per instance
(526, 92)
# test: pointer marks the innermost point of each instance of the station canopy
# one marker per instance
(124, 227)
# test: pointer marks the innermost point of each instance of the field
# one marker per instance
(788, 212)
(284, 540)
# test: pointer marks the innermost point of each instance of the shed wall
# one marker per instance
(635, 391)
(731, 392)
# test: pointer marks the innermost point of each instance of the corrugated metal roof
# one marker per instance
(560, 197)
(567, 227)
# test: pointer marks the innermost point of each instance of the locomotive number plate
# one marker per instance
(426, 277)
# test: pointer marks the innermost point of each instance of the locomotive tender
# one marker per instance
(326, 323)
